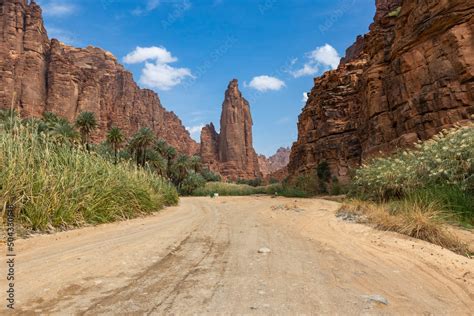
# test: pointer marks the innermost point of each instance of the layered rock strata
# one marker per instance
(410, 77)
(38, 75)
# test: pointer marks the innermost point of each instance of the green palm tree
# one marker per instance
(115, 137)
(195, 164)
(157, 162)
(171, 153)
(179, 169)
(58, 128)
(87, 123)
(64, 132)
(140, 142)
(165, 150)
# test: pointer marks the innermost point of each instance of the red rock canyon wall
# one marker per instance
(411, 76)
(38, 75)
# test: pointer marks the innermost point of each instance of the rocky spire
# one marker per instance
(235, 154)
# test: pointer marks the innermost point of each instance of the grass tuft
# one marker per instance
(415, 219)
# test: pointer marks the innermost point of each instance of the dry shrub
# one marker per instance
(416, 220)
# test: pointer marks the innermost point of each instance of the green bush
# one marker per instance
(226, 189)
(192, 182)
(50, 183)
(210, 176)
(233, 189)
(252, 182)
(440, 169)
(447, 159)
(306, 183)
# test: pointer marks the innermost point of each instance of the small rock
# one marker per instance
(376, 298)
(264, 250)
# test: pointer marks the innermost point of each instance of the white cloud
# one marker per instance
(58, 8)
(305, 97)
(141, 54)
(157, 73)
(195, 131)
(325, 57)
(163, 76)
(307, 70)
(150, 5)
(266, 83)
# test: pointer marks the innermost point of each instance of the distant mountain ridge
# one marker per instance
(275, 162)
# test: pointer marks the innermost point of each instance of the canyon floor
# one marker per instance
(239, 255)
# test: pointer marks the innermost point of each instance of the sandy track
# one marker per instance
(202, 257)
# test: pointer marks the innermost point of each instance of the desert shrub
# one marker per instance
(273, 181)
(445, 160)
(226, 189)
(288, 191)
(210, 176)
(412, 218)
(192, 182)
(306, 183)
(252, 182)
(323, 171)
(440, 170)
(233, 189)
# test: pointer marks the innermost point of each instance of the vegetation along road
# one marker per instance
(238, 255)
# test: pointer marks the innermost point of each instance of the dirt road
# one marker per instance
(203, 257)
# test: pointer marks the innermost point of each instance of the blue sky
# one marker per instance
(188, 51)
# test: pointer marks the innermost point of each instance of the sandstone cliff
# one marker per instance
(38, 75)
(411, 76)
(231, 152)
(274, 163)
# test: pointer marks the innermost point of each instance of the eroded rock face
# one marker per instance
(231, 152)
(38, 75)
(210, 147)
(410, 77)
(274, 163)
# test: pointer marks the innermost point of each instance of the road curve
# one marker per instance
(202, 257)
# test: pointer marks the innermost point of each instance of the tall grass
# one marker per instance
(61, 185)
(441, 170)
